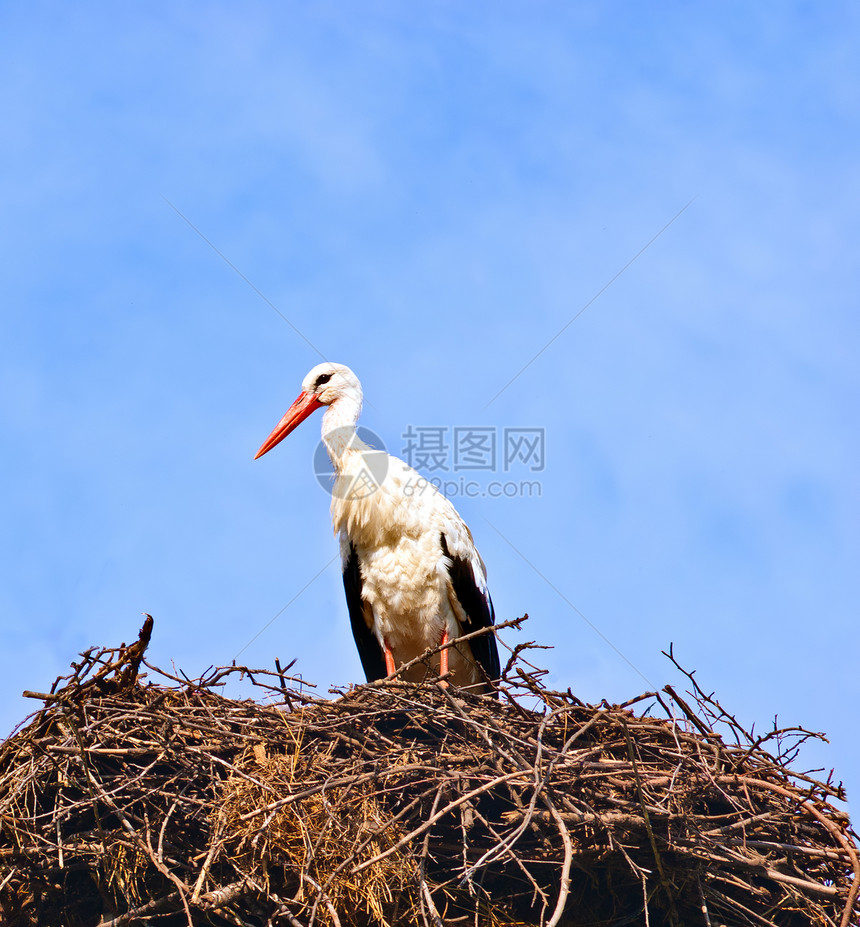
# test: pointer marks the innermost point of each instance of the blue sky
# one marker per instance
(430, 193)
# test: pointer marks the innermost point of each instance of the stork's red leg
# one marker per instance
(390, 669)
(443, 656)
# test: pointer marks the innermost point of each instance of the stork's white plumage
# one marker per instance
(412, 576)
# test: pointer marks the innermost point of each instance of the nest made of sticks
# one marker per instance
(129, 799)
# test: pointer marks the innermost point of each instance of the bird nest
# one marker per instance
(134, 799)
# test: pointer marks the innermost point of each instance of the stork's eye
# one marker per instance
(322, 378)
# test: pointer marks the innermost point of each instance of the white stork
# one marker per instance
(412, 575)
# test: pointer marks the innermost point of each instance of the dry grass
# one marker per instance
(129, 800)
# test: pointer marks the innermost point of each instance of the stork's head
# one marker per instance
(323, 386)
(329, 382)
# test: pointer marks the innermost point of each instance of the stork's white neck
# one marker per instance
(338, 429)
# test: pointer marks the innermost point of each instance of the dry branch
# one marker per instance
(130, 800)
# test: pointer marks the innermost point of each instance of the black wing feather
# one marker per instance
(479, 613)
(369, 651)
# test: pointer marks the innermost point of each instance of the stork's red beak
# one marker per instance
(296, 414)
